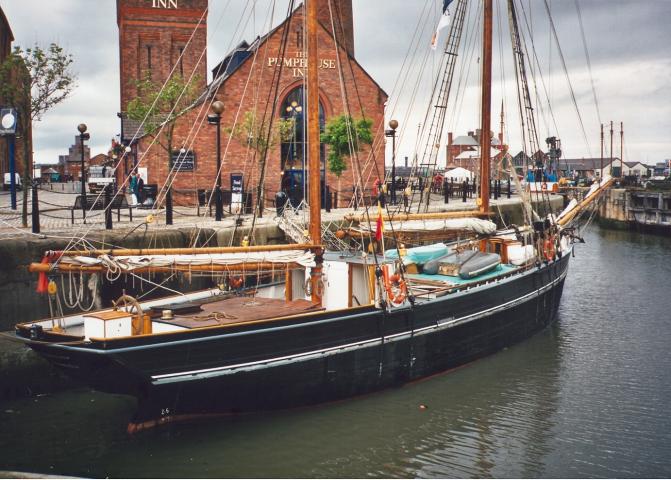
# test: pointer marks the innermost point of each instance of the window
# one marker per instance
(294, 150)
(149, 60)
(299, 38)
(181, 61)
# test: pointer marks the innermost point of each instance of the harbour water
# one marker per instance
(588, 397)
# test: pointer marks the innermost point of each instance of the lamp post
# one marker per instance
(127, 151)
(294, 110)
(218, 109)
(82, 137)
(393, 125)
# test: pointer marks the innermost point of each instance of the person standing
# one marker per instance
(133, 189)
(140, 189)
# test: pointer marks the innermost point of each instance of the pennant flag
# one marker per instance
(444, 22)
(379, 227)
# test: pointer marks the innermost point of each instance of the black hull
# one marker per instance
(330, 357)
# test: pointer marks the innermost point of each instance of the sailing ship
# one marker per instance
(328, 325)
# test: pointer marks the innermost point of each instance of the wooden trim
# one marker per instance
(185, 251)
(288, 285)
(231, 325)
(371, 284)
(238, 267)
(400, 217)
(350, 281)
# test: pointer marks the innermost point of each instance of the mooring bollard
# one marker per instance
(108, 207)
(35, 210)
(168, 206)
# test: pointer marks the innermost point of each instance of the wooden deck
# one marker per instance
(241, 309)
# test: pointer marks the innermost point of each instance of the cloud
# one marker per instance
(627, 41)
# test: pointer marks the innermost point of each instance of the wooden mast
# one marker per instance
(313, 139)
(485, 141)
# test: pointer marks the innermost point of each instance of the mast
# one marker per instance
(601, 172)
(621, 148)
(314, 160)
(485, 142)
(314, 156)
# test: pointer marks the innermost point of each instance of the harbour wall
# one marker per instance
(23, 373)
(637, 209)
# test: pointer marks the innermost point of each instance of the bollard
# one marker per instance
(36, 210)
(108, 207)
(168, 206)
(464, 187)
(327, 198)
(446, 191)
(508, 188)
(219, 206)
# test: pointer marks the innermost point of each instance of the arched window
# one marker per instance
(294, 149)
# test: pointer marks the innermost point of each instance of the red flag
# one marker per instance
(42, 280)
(379, 227)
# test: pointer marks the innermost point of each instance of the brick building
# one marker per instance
(70, 165)
(6, 39)
(254, 78)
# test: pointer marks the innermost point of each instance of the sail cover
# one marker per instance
(475, 225)
(130, 263)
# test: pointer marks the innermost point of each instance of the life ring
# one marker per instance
(549, 249)
(319, 287)
(395, 286)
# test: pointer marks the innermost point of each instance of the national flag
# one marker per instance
(444, 22)
(379, 226)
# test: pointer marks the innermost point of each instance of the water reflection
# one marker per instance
(491, 418)
(586, 398)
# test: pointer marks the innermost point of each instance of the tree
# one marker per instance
(159, 106)
(262, 137)
(33, 82)
(344, 136)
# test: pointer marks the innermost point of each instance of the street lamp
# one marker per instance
(294, 110)
(82, 137)
(393, 125)
(218, 109)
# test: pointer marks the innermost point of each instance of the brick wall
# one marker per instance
(152, 34)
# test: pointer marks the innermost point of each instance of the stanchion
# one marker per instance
(108, 207)
(464, 191)
(36, 210)
(168, 206)
(508, 188)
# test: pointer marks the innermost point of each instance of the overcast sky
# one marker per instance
(628, 43)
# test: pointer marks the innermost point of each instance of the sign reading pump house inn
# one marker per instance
(299, 63)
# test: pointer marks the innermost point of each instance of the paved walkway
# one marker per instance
(56, 201)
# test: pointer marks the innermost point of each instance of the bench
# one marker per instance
(97, 202)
